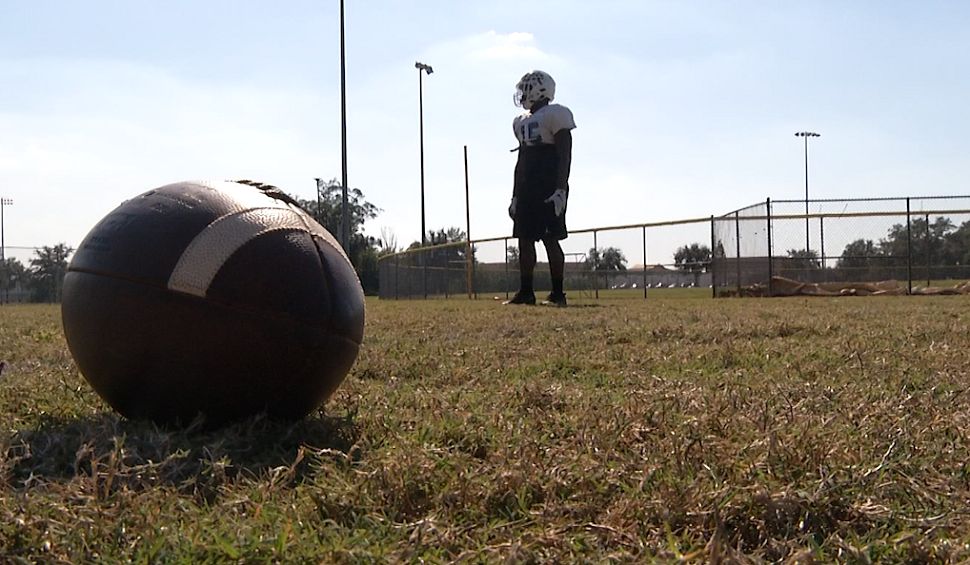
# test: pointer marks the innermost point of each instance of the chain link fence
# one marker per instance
(918, 242)
(632, 261)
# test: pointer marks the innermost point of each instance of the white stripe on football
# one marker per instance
(212, 247)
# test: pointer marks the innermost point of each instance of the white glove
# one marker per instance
(512, 208)
(558, 200)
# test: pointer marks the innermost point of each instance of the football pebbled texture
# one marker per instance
(220, 300)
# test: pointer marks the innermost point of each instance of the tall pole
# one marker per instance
(469, 257)
(345, 216)
(771, 272)
(805, 135)
(807, 247)
(319, 215)
(909, 249)
(422, 68)
(3, 246)
(421, 135)
(3, 242)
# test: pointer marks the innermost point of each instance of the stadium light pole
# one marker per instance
(3, 241)
(344, 214)
(805, 135)
(422, 68)
(3, 249)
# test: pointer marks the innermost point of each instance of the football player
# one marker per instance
(541, 187)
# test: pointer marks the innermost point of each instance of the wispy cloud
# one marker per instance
(513, 46)
(490, 47)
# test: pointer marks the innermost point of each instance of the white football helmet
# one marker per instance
(533, 87)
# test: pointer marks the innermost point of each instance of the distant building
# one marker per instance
(657, 276)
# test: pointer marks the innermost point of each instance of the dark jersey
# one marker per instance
(537, 171)
(538, 161)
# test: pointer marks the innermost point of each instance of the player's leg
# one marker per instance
(557, 268)
(527, 265)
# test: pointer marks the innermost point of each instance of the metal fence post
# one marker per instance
(474, 285)
(469, 254)
(506, 240)
(424, 274)
(929, 281)
(737, 245)
(596, 282)
(821, 241)
(644, 262)
(909, 249)
(770, 271)
(711, 268)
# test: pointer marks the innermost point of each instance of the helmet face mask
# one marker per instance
(534, 87)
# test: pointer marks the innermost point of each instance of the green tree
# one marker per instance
(933, 241)
(610, 259)
(858, 254)
(12, 273)
(922, 239)
(693, 258)
(328, 211)
(803, 259)
(719, 252)
(512, 255)
(46, 273)
(387, 242)
(956, 245)
(453, 256)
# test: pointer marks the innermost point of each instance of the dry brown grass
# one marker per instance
(732, 430)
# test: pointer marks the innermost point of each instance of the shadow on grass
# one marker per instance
(114, 453)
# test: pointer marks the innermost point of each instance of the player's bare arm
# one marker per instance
(517, 183)
(564, 151)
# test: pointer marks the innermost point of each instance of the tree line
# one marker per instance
(939, 242)
(41, 278)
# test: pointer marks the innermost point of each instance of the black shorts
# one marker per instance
(537, 220)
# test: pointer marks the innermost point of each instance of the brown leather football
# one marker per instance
(220, 300)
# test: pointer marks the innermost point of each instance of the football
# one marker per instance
(215, 300)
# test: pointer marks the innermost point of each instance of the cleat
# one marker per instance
(522, 298)
(555, 299)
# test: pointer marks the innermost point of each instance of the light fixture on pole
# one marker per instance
(805, 135)
(3, 242)
(422, 68)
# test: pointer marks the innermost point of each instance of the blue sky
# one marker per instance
(684, 109)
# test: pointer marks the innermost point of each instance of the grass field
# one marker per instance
(689, 429)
